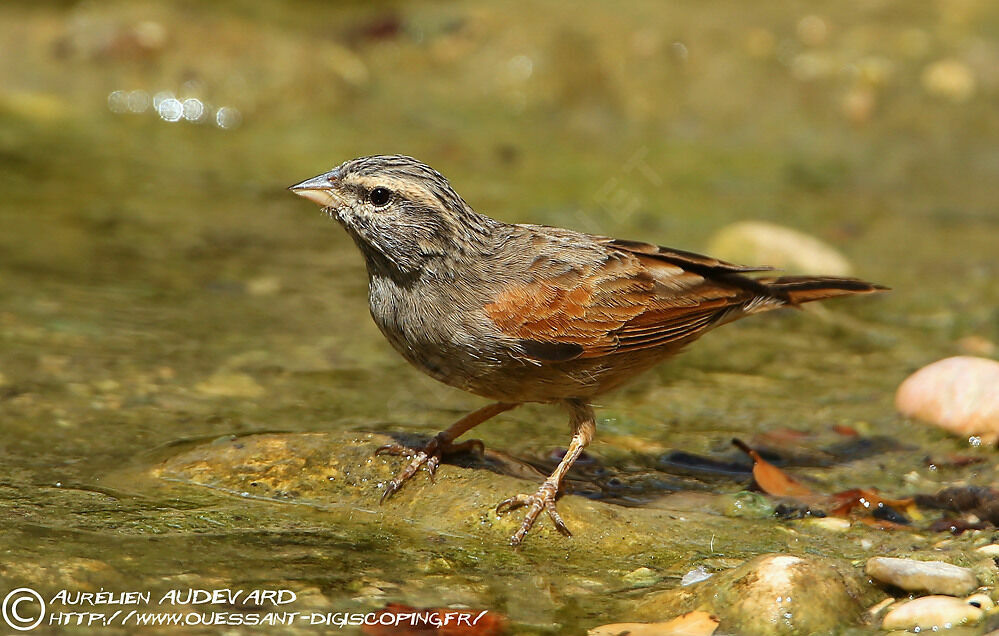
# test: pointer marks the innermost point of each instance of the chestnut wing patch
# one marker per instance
(625, 303)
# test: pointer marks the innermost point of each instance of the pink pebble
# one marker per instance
(959, 394)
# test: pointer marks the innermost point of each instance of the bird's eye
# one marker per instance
(379, 196)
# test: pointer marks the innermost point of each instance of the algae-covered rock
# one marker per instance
(340, 474)
(773, 594)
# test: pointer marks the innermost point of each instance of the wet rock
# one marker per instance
(641, 577)
(959, 394)
(698, 574)
(991, 550)
(935, 577)
(773, 594)
(746, 505)
(75, 573)
(932, 613)
(339, 474)
(832, 524)
(791, 251)
(981, 600)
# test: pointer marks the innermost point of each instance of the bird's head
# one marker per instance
(402, 213)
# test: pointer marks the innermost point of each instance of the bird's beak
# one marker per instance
(319, 189)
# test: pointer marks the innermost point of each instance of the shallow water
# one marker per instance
(158, 284)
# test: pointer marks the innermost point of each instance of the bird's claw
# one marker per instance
(544, 499)
(430, 455)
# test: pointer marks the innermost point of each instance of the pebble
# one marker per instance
(935, 577)
(959, 394)
(991, 550)
(791, 251)
(773, 594)
(642, 577)
(931, 613)
(832, 524)
(698, 574)
(981, 600)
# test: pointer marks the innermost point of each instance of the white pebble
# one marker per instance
(696, 575)
(935, 577)
(931, 613)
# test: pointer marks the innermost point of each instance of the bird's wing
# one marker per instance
(632, 296)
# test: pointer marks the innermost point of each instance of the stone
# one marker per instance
(832, 524)
(959, 394)
(935, 577)
(339, 474)
(931, 613)
(698, 574)
(772, 594)
(981, 600)
(641, 577)
(791, 251)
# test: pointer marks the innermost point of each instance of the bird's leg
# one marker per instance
(439, 445)
(583, 426)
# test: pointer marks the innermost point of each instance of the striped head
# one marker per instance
(402, 213)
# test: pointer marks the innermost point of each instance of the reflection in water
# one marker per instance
(171, 109)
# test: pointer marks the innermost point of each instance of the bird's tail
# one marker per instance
(795, 290)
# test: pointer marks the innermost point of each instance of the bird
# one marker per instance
(520, 313)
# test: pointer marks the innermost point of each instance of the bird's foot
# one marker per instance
(544, 499)
(430, 455)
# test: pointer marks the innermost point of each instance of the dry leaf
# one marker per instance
(869, 499)
(770, 479)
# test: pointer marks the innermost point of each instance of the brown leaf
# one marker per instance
(844, 430)
(689, 624)
(882, 524)
(869, 499)
(770, 479)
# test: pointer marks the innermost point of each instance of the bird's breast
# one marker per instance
(435, 332)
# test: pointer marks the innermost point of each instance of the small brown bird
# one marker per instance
(528, 313)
